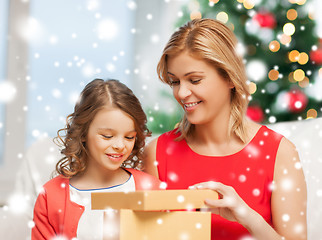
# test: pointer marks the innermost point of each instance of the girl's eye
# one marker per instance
(107, 136)
(130, 138)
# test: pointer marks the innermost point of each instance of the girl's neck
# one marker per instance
(90, 180)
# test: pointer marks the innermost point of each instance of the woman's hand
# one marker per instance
(229, 205)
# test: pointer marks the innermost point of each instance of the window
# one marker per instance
(71, 43)
(3, 56)
(60, 46)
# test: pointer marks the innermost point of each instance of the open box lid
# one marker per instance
(152, 200)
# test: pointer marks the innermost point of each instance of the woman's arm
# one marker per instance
(289, 193)
(288, 201)
(149, 158)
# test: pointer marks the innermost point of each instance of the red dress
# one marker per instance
(249, 171)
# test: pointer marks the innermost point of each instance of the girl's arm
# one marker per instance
(288, 201)
(42, 229)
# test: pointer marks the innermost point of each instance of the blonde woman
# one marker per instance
(254, 169)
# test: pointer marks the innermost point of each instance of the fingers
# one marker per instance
(227, 194)
(209, 185)
(216, 186)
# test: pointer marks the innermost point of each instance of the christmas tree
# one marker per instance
(282, 54)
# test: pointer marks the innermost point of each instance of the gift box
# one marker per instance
(159, 214)
(153, 200)
(180, 225)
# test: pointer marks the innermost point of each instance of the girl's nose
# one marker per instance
(118, 144)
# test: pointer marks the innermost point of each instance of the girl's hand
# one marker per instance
(229, 205)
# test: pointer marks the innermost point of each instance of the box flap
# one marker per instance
(153, 200)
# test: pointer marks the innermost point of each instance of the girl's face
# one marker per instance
(199, 89)
(110, 139)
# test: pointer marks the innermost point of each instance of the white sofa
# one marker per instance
(39, 162)
(307, 137)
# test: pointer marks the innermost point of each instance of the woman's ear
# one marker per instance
(231, 85)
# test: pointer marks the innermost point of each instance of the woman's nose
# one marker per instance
(183, 91)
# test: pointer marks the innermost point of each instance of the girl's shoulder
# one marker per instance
(144, 181)
(58, 182)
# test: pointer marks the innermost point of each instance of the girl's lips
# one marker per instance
(115, 157)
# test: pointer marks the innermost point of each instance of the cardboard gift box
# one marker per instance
(153, 200)
(145, 215)
(179, 225)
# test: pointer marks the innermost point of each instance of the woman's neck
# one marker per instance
(215, 140)
(213, 132)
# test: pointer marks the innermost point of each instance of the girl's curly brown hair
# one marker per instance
(96, 95)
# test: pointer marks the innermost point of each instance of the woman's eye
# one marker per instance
(194, 81)
(174, 83)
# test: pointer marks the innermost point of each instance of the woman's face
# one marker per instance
(110, 139)
(199, 89)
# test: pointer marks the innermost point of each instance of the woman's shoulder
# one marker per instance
(169, 136)
(255, 129)
(172, 133)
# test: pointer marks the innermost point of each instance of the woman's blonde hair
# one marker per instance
(96, 95)
(215, 43)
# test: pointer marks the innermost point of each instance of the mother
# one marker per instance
(255, 170)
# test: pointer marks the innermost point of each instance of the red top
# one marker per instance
(56, 215)
(249, 171)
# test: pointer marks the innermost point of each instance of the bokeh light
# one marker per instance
(195, 15)
(291, 77)
(298, 75)
(294, 56)
(304, 83)
(222, 17)
(252, 87)
(285, 39)
(299, 2)
(289, 29)
(311, 113)
(7, 91)
(303, 58)
(107, 29)
(256, 70)
(274, 46)
(249, 4)
(291, 14)
(273, 75)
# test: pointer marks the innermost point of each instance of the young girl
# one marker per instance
(103, 137)
(255, 170)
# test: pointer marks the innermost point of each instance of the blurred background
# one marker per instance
(50, 49)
